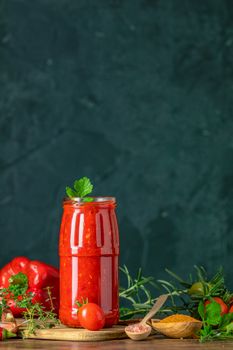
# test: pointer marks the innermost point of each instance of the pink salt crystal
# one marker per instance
(137, 328)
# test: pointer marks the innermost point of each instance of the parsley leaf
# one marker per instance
(70, 193)
(18, 284)
(229, 328)
(226, 321)
(213, 313)
(87, 199)
(82, 187)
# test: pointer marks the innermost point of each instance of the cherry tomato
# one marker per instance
(91, 317)
(231, 309)
(224, 307)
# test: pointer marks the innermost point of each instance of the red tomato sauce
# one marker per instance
(89, 250)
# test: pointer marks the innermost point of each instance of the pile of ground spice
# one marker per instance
(178, 318)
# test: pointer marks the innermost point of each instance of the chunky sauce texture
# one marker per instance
(89, 249)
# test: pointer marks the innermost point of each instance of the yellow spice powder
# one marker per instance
(178, 318)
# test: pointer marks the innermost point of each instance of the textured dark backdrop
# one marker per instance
(137, 95)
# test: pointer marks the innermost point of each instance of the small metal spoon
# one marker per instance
(141, 330)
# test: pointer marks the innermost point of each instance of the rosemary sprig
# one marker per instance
(135, 294)
(139, 300)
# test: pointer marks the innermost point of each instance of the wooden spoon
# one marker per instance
(141, 330)
(177, 330)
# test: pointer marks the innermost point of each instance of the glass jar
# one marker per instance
(89, 250)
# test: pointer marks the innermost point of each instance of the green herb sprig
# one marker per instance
(17, 287)
(82, 188)
(18, 284)
(136, 294)
(215, 326)
(36, 316)
(186, 295)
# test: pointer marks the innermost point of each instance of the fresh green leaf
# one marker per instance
(71, 193)
(18, 284)
(88, 199)
(20, 279)
(213, 313)
(206, 333)
(83, 187)
(176, 277)
(201, 310)
(225, 320)
(201, 273)
(229, 328)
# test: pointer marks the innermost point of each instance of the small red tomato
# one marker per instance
(91, 317)
(231, 309)
(224, 307)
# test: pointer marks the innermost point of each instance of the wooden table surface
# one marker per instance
(152, 343)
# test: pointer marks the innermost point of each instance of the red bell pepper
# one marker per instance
(39, 276)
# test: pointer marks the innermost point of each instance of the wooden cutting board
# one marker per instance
(62, 332)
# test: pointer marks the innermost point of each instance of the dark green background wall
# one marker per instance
(137, 95)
